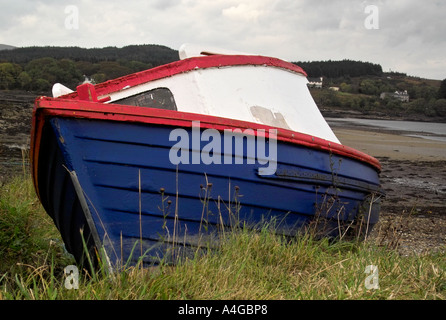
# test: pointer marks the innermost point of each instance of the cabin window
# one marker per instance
(160, 98)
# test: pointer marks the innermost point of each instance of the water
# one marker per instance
(426, 130)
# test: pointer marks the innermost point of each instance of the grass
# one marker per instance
(248, 266)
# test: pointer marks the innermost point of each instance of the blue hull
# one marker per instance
(114, 181)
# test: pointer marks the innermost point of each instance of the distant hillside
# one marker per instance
(6, 47)
(38, 68)
(363, 97)
(153, 54)
(362, 89)
(349, 88)
(343, 68)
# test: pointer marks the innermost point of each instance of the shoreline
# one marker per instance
(413, 213)
(394, 144)
(342, 114)
(413, 169)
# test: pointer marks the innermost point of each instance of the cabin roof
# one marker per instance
(186, 65)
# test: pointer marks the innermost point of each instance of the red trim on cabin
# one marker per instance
(178, 67)
(45, 107)
(88, 92)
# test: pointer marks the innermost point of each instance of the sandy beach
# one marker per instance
(413, 175)
(392, 145)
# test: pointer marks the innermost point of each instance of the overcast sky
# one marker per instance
(402, 35)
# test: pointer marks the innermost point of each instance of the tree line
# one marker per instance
(342, 68)
(150, 54)
(37, 68)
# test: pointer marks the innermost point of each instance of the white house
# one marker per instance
(315, 82)
(403, 96)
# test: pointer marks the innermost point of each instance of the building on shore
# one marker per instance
(403, 96)
(315, 82)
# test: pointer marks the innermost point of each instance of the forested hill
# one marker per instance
(156, 55)
(153, 54)
(38, 68)
(343, 68)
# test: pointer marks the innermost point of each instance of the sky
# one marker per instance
(401, 35)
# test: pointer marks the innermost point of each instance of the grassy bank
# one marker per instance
(248, 266)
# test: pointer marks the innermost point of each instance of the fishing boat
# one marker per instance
(147, 166)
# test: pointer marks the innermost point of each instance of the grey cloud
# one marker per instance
(410, 32)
